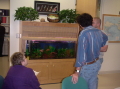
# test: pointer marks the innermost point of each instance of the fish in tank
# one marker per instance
(36, 49)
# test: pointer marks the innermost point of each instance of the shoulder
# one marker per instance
(22, 68)
(89, 30)
(28, 69)
(103, 32)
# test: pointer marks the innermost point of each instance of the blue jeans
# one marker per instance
(101, 60)
(90, 72)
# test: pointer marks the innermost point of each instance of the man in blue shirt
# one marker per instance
(90, 42)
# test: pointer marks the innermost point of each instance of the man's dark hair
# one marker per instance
(85, 19)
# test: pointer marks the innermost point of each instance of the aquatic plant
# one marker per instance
(43, 51)
(35, 53)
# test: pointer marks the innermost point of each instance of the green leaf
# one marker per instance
(67, 15)
(26, 13)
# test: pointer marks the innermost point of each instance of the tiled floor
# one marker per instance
(106, 81)
(109, 81)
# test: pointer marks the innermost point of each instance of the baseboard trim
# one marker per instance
(109, 72)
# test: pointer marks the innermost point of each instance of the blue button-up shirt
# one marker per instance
(90, 42)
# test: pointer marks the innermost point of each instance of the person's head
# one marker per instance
(96, 22)
(18, 58)
(85, 20)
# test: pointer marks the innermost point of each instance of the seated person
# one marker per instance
(19, 76)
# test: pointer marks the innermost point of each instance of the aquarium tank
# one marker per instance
(50, 49)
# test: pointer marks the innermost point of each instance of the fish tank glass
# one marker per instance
(50, 49)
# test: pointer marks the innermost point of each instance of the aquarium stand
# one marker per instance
(51, 70)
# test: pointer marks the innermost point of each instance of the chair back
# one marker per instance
(67, 83)
(1, 81)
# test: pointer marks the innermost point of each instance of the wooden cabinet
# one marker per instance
(42, 68)
(52, 70)
(87, 6)
(62, 69)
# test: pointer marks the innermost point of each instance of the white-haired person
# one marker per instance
(19, 76)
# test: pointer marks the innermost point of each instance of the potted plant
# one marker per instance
(67, 15)
(26, 13)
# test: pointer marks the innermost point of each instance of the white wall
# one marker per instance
(112, 56)
(14, 25)
(4, 4)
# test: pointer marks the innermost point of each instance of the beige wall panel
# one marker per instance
(87, 6)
